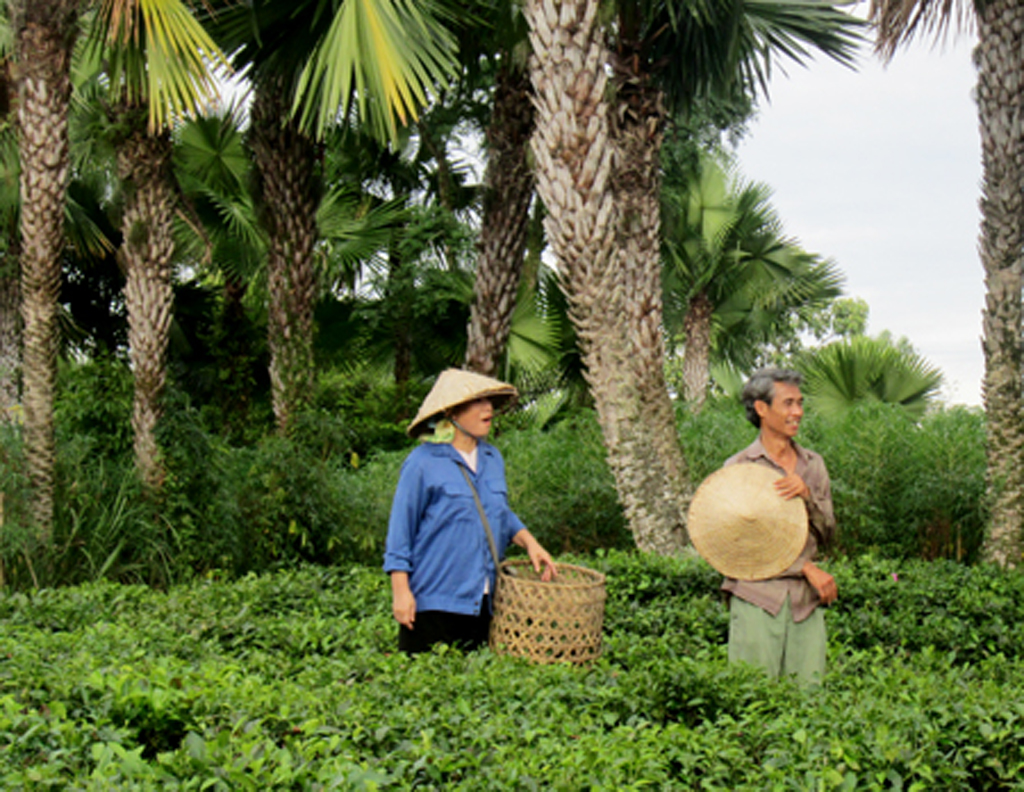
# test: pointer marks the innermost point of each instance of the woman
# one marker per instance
(438, 553)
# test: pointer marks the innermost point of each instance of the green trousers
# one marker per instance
(776, 643)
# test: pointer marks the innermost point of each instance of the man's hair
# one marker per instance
(761, 387)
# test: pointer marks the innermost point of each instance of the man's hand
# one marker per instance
(792, 486)
(822, 582)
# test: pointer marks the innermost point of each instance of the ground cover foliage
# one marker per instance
(902, 487)
(288, 680)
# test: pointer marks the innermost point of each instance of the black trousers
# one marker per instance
(455, 629)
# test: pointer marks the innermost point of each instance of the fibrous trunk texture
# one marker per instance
(999, 96)
(10, 333)
(508, 190)
(575, 161)
(44, 31)
(285, 160)
(10, 289)
(654, 462)
(143, 164)
(697, 330)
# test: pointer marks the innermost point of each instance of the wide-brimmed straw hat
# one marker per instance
(455, 387)
(742, 527)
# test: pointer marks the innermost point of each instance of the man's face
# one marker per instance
(782, 416)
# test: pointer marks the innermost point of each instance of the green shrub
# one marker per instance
(93, 406)
(900, 488)
(360, 413)
(290, 681)
(560, 486)
(712, 436)
(903, 488)
(103, 525)
(251, 509)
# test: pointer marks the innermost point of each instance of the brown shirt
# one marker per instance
(771, 594)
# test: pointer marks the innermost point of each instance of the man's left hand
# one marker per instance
(792, 486)
(822, 582)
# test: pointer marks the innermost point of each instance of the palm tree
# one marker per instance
(310, 63)
(843, 373)
(159, 64)
(10, 247)
(730, 275)
(45, 32)
(508, 192)
(604, 224)
(285, 160)
(1001, 242)
(221, 233)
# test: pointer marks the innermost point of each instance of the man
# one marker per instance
(776, 623)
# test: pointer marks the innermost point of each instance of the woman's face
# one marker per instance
(475, 416)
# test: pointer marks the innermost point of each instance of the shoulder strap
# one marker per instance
(483, 517)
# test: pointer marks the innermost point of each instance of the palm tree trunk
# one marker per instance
(637, 125)
(10, 333)
(399, 294)
(1001, 116)
(45, 33)
(285, 160)
(696, 360)
(10, 285)
(508, 190)
(143, 165)
(574, 158)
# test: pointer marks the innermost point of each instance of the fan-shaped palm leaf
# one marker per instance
(839, 375)
(730, 276)
(160, 54)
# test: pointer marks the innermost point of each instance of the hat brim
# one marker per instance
(741, 526)
(455, 387)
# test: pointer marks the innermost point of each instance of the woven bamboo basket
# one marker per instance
(560, 620)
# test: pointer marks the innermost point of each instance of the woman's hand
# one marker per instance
(403, 603)
(539, 557)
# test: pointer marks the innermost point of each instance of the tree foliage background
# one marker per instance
(323, 257)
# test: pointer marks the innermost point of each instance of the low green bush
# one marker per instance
(290, 681)
(560, 485)
(901, 489)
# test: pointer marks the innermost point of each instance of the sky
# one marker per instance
(879, 169)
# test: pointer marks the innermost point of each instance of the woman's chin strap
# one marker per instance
(468, 434)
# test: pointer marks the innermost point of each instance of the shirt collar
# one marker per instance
(448, 450)
(757, 451)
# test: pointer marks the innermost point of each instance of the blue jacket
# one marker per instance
(435, 533)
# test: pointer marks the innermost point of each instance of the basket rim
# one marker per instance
(597, 578)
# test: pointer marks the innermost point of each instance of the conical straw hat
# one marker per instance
(455, 387)
(742, 527)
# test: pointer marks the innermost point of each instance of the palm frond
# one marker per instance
(840, 374)
(716, 47)
(355, 230)
(209, 149)
(897, 22)
(384, 54)
(158, 53)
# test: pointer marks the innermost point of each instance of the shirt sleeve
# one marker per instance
(404, 520)
(510, 522)
(820, 513)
